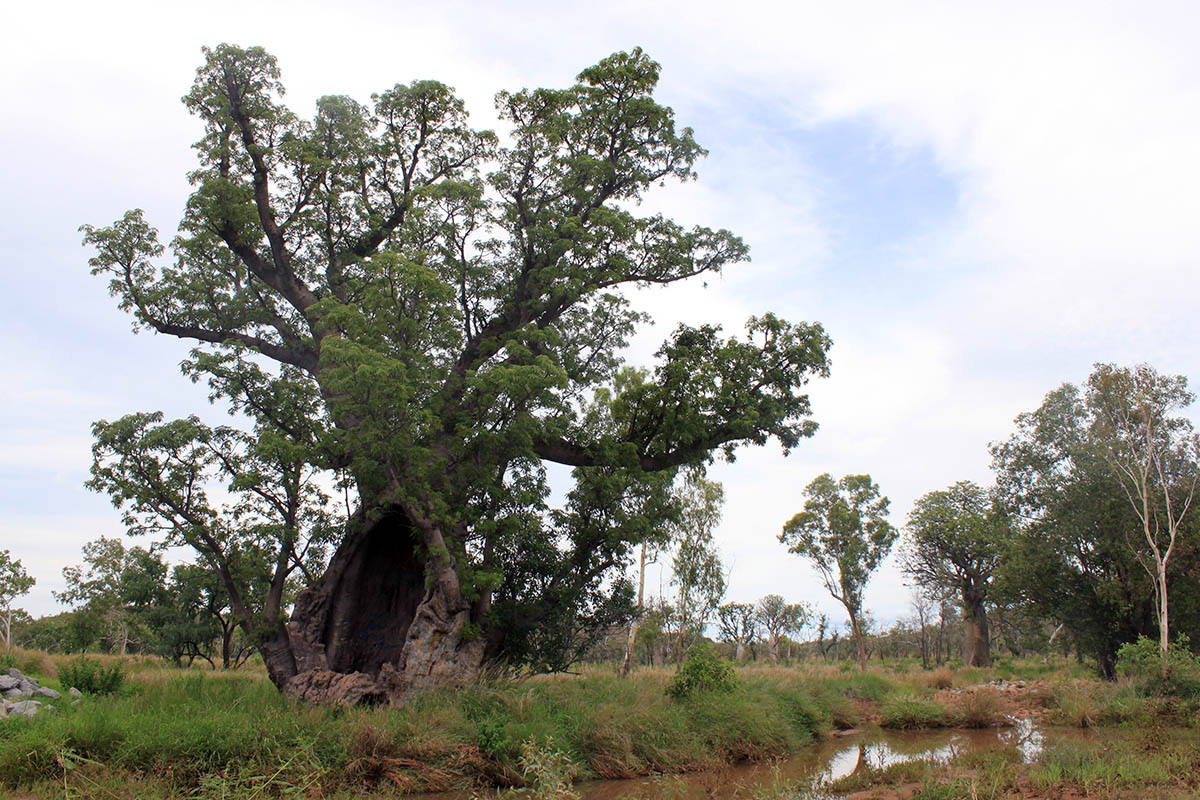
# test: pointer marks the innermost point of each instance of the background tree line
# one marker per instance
(1086, 541)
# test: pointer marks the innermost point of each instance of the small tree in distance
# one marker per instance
(955, 544)
(778, 619)
(14, 582)
(737, 624)
(696, 568)
(843, 531)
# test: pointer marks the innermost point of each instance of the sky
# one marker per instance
(978, 201)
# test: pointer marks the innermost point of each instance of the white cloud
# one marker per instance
(1066, 131)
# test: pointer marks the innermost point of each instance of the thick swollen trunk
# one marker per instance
(377, 625)
(977, 650)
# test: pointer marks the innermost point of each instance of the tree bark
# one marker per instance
(226, 644)
(858, 639)
(380, 623)
(977, 641)
(1164, 620)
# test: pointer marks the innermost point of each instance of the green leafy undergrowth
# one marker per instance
(702, 671)
(91, 677)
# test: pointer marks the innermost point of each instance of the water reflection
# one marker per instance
(815, 767)
(824, 763)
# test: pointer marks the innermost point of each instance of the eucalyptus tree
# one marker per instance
(1071, 561)
(844, 533)
(14, 582)
(1155, 454)
(696, 569)
(956, 540)
(780, 618)
(426, 309)
(113, 584)
(737, 624)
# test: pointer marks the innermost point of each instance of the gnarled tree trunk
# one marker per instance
(379, 623)
(976, 644)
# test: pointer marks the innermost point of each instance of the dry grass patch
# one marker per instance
(982, 707)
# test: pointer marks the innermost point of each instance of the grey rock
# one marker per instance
(27, 686)
(26, 708)
(46, 691)
(8, 682)
(13, 672)
(77, 702)
(74, 692)
(13, 693)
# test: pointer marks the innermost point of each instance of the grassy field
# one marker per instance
(198, 734)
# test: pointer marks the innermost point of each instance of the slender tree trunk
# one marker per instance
(226, 643)
(633, 626)
(924, 645)
(1164, 620)
(1107, 663)
(858, 639)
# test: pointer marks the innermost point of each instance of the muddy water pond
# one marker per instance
(818, 765)
(827, 761)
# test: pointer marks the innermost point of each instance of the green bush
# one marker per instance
(549, 772)
(702, 671)
(1143, 661)
(91, 677)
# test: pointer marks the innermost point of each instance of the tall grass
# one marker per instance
(908, 711)
(191, 729)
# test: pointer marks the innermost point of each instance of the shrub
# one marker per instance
(91, 677)
(1143, 661)
(702, 671)
(549, 772)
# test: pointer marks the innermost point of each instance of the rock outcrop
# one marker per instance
(17, 689)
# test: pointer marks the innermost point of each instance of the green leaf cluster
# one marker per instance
(702, 671)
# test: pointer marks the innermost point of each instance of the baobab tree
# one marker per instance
(956, 540)
(404, 303)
